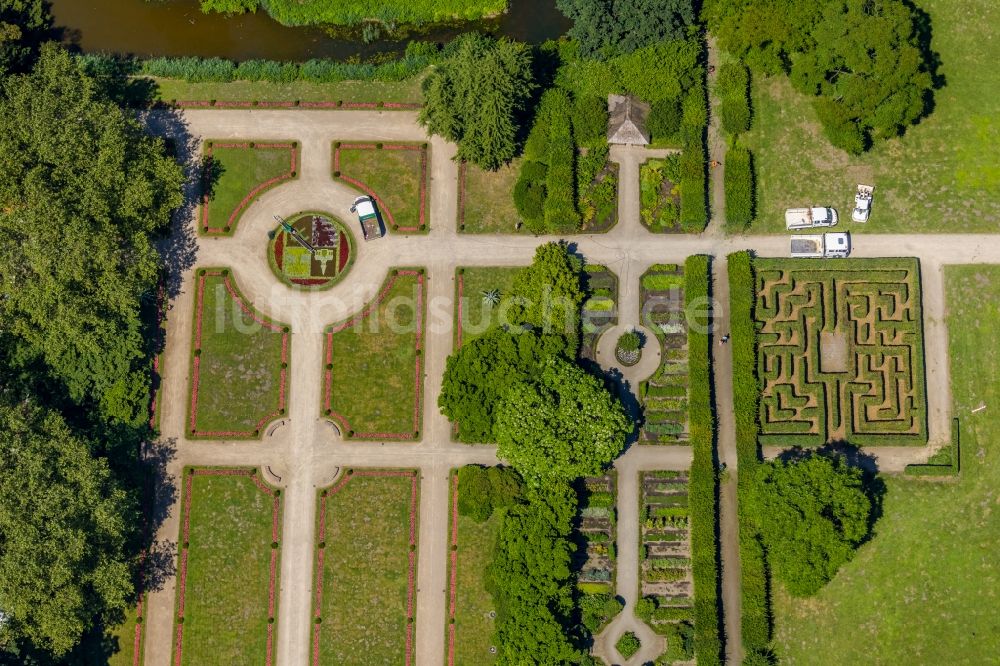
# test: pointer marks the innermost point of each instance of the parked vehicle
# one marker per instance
(863, 203)
(821, 245)
(371, 223)
(808, 218)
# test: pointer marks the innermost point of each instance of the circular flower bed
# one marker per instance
(326, 263)
(628, 350)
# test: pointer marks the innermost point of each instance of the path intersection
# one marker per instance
(303, 452)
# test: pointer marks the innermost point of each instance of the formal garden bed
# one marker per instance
(600, 310)
(235, 173)
(486, 200)
(479, 291)
(598, 200)
(596, 557)
(471, 611)
(239, 362)
(394, 174)
(664, 396)
(297, 266)
(373, 378)
(666, 580)
(364, 605)
(228, 568)
(660, 194)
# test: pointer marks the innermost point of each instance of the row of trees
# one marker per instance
(83, 191)
(867, 62)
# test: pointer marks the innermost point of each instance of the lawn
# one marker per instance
(486, 205)
(394, 173)
(405, 92)
(475, 315)
(473, 627)
(236, 173)
(366, 563)
(923, 590)
(121, 642)
(239, 362)
(228, 571)
(942, 176)
(380, 351)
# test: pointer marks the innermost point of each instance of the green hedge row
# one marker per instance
(694, 205)
(756, 613)
(733, 89)
(703, 481)
(560, 195)
(946, 462)
(739, 185)
(417, 57)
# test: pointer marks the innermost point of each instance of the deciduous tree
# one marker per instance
(606, 28)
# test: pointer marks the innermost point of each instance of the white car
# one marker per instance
(863, 203)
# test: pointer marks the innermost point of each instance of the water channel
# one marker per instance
(179, 28)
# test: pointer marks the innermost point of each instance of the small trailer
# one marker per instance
(809, 218)
(371, 225)
(817, 246)
(863, 203)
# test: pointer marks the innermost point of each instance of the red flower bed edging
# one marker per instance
(185, 538)
(196, 360)
(422, 223)
(259, 189)
(328, 373)
(411, 567)
(288, 104)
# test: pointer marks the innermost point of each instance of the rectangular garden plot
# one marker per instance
(664, 396)
(479, 291)
(394, 174)
(471, 614)
(227, 574)
(666, 582)
(660, 194)
(600, 311)
(237, 172)
(373, 379)
(840, 352)
(598, 532)
(486, 199)
(239, 362)
(366, 559)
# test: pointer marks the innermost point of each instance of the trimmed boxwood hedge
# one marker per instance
(702, 480)
(756, 613)
(739, 184)
(733, 89)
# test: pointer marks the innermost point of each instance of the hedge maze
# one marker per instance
(840, 352)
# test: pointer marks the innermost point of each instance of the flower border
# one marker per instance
(182, 565)
(234, 293)
(418, 379)
(203, 227)
(422, 225)
(324, 494)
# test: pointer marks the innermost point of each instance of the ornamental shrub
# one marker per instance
(629, 341)
(628, 644)
(529, 194)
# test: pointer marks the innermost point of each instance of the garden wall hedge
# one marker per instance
(703, 481)
(560, 195)
(739, 185)
(733, 89)
(756, 613)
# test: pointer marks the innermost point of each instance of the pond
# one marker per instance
(179, 28)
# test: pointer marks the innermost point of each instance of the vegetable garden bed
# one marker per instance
(664, 396)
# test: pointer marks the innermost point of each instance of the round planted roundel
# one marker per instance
(311, 250)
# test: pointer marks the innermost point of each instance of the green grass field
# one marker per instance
(239, 378)
(923, 591)
(478, 316)
(942, 176)
(489, 203)
(367, 560)
(121, 642)
(375, 381)
(397, 176)
(473, 603)
(227, 584)
(235, 173)
(173, 90)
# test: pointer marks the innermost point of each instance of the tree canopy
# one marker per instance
(547, 294)
(812, 512)
(606, 28)
(64, 524)
(23, 25)
(476, 98)
(82, 188)
(868, 71)
(561, 424)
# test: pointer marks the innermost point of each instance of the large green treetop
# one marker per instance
(63, 529)
(82, 187)
(812, 512)
(606, 28)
